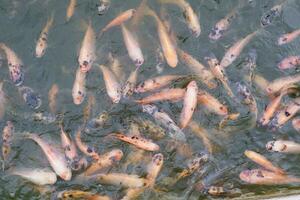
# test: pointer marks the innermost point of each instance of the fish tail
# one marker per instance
(51, 19)
(139, 13)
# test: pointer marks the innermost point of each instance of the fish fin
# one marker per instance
(83, 25)
(139, 14)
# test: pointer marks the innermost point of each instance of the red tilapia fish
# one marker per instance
(189, 104)
(113, 88)
(70, 9)
(41, 44)
(289, 62)
(283, 146)
(7, 136)
(137, 141)
(107, 160)
(288, 37)
(235, 50)
(3, 100)
(52, 94)
(130, 84)
(156, 83)
(198, 68)
(167, 45)
(222, 26)
(56, 159)
(37, 176)
(15, 65)
(132, 46)
(170, 94)
(262, 161)
(211, 103)
(296, 124)
(265, 177)
(79, 90)
(120, 19)
(277, 84)
(87, 53)
(192, 20)
(79, 194)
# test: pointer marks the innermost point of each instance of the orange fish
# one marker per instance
(288, 37)
(170, 94)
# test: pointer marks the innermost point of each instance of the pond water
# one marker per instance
(21, 22)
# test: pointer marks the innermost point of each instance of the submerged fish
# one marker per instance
(170, 94)
(153, 168)
(120, 19)
(192, 20)
(3, 100)
(189, 104)
(264, 177)
(37, 176)
(296, 124)
(222, 26)
(235, 50)
(283, 146)
(41, 44)
(198, 68)
(87, 53)
(52, 95)
(268, 17)
(56, 158)
(262, 161)
(103, 6)
(113, 88)
(7, 135)
(31, 98)
(79, 194)
(289, 62)
(137, 141)
(164, 119)
(156, 83)
(250, 64)
(288, 37)
(15, 65)
(79, 90)
(211, 103)
(132, 46)
(130, 84)
(279, 83)
(70, 9)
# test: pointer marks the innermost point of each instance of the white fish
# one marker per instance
(132, 46)
(87, 54)
(79, 90)
(283, 146)
(37, 176)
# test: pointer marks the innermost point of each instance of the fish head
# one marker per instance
(78, 97)
(139, 62)
(85, 66)
(223, 110)
(32, 99)
(17, 75)
(215, 33)
(246, 176)
(66, 174)
(40, 49)
(282, 40)
(158, 159)
(270, 146)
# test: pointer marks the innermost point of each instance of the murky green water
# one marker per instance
(20, 24)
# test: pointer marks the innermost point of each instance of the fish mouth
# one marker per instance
(245, 175)
(78, 100)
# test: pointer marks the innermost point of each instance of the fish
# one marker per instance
(219, 73)
(286, 113)
(167, 45)
(3, 100)
(15, 65)
(38, 176)
(113, 88)
(165, 120)
(120, 19)
(259, 81)
(130, 84)
(87, 53)
(198, 68)
(137, 141)
(70, 149)
(41, 45)
(270, 110)
(202, 134)
(220, 191)
(79, 194)
(170, 94)
(268, 17)
(84, 148)
(119, 179)
(265, 177)
(263, 161)
(283, 146)
(235, 50)
(217, 32)
(250, 63)
(52, 95)
(56, 159)
(88, 109)
(31, 98)
(7, 136)
(106, 160)
(153, 129)
(288, 37)
(191, 18)
(44, 117)
(79, 90)
(97, 122)
(153, 169)
(103, 6)
(132, 46)
(156, 83)
(70, 9)
(279, 83)
(289, 62)
(248, 99)
(211, 103)
(296, 124)
(116, 67)
(189, 104)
